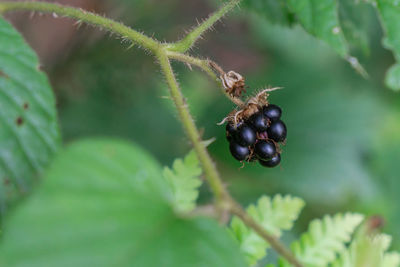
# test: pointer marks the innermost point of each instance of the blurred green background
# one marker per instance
(343, 148)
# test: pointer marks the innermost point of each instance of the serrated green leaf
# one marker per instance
(29, 134)
(389, 11)
(105, 203)
(184, 179)
(320, 18)
(274, 215)
(325, 238)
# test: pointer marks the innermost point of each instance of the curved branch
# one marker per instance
(87, 17)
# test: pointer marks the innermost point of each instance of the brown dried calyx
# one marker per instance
(253, 105)
(233, 83)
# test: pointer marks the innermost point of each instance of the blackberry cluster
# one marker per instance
(257, 137)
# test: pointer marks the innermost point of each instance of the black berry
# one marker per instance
(274, 161)
(239, 152)
(277, 131)
(230, 131)
(245, 136)
(265, 150)
(273, 112)
(259, 122)
(256, 138)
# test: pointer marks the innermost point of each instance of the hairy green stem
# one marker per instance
(191, 129)
(163, 53)
(87, 17)
(190, 39)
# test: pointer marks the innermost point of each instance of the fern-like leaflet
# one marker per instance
(184, 178)
(368, 250)
(274, 215)
(325, 239)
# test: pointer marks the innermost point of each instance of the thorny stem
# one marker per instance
(163, 53)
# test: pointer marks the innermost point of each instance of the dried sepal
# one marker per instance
(233, 83)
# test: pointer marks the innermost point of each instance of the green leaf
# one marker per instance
(184, 179)
(105, 203)
(325, 238)
(320, 18)
(274, 215)
(389, 12)
(29, 134)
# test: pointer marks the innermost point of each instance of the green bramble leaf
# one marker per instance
(29, 133)
(184, 179)
(105, 203)
(274, 215)
(320, 18)
(389, 11)
(324, 239)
